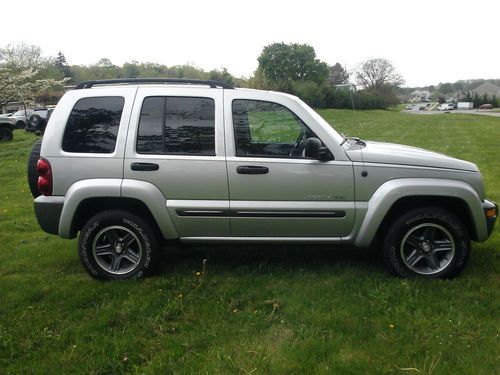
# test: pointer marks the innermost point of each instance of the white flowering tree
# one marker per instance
(19, 78)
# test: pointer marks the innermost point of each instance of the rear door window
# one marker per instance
(177, 126)
(93, 125)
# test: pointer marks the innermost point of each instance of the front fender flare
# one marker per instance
(390, 192)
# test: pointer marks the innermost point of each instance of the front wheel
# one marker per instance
(116, 244)
(427, 243)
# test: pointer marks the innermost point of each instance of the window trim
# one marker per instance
(267, 155)
(82, 153)
(163, 127)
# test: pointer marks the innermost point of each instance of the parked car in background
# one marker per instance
(409, 107)
(486, 106)
(37, 120)
(7, 125)
(21, 118)
(446, 107)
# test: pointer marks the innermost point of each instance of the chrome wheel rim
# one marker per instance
(117, 250)
(427, 249)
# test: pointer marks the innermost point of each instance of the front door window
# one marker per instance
(265, 129)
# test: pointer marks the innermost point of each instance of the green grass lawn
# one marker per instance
(255, 309)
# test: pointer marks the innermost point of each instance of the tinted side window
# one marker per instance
(93, 125)
(268, 129)
(177, 125)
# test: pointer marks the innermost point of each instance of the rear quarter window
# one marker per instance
(93, 125)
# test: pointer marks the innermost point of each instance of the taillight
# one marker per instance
(45, 177)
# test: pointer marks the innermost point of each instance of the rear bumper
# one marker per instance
(48, 213)
(489, 207)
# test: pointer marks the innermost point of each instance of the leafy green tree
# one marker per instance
(338, 75)
(131, 69)
(446, 88)
(477, 100)
(281, 64)
(458, 86)
(222, 76)
(61, 63)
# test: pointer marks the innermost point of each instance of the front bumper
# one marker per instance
(48, 213)
(491, 213)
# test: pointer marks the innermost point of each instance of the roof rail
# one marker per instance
(185, 81)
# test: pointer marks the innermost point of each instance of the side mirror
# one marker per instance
(314, 149)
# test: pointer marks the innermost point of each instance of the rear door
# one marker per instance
(176, 142)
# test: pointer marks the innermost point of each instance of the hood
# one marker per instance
(390, 153)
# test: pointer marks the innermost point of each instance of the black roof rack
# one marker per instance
(212, 84)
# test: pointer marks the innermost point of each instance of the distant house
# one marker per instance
(419, 96)
(487, 88)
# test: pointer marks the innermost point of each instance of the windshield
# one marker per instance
(19, 113)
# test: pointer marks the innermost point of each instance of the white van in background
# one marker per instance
(446, 107)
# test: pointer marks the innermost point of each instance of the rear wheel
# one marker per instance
(427, 243)
(116, 244)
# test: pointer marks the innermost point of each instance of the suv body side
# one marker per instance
(204, 198)
(208, 164)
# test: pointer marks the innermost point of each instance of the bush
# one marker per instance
(310, 92)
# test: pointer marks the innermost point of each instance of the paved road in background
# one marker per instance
(467, 112)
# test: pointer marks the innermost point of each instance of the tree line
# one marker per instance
(27, 76)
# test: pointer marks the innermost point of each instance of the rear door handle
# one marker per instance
(252, 169)
(144, 166)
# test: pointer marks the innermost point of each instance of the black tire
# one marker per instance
(32, 172)
(123, 240)
(428, 242)
(6, 134)
(36, 121)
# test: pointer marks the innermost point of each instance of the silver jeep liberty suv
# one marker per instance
(131, 163)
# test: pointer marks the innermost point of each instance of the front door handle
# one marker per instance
(252, 169)
(144, 166)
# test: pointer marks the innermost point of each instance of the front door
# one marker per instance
(275, 190)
